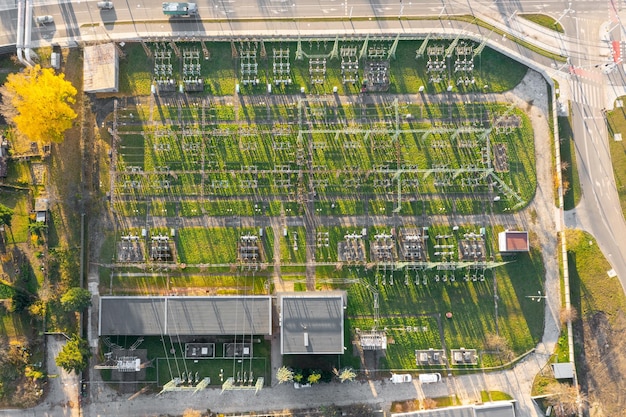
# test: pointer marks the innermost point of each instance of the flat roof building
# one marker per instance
(176, 315)
(312, 324)
(41, 209)
(513, 241)
(563, 370)
(100, 68)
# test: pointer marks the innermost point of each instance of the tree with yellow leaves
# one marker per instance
(37, 103)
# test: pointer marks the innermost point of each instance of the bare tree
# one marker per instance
(564, 399)
(499, 344)
(429, 404)
(566, 315)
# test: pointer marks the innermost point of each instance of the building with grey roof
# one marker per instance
(175, 315)
(312, 324)
(495, 409)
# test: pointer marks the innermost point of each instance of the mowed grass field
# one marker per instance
(616, 120)
(217, 245)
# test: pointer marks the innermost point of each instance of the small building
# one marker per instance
(464, 356)
(430, 356)
(513, 241)
(312, 324)
(41, 209)
(563, 370)
(100, 68)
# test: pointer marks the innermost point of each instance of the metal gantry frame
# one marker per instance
(483, 173)
(248, 63)
(281, 67)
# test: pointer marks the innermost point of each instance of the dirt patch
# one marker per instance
(603, 363)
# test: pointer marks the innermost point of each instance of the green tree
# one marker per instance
(37, 228)
(76, 299)
(74, 356)
(37, 103)
(314, 377)
(6, 215)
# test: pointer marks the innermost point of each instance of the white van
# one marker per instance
(401, 378)
(430, 378)
(105, 5)
(42, 20)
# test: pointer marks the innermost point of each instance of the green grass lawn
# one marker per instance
(544, 20)
(18, 201)
(488, 396)
(571, 182)
(192, 284)
(592, 290)
(135, 71)
(215, 245)
(16, 325)
(616, 120)
(293, 246)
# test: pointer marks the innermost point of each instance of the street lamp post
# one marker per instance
(537, 297)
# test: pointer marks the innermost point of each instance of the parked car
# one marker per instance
(105, 5)
(401, 378)
(298, 385)
(42, 20)
(430, 378)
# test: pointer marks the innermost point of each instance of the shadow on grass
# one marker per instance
(525, 273)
